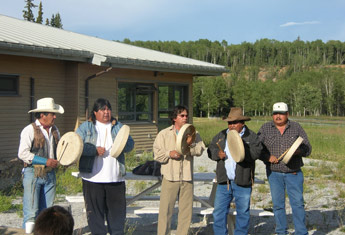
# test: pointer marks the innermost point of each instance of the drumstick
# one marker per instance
(219, 145)
(63, 151)
(281, 156)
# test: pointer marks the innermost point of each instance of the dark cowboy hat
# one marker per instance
(235, 114)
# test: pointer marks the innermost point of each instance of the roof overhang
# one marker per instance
(100, 60)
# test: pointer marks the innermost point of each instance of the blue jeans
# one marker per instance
(293, 185)
(222, 205)
(39, 193)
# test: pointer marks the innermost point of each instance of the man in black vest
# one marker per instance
(234, 178)
(37, 149)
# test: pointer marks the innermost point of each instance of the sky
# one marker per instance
(234, 21)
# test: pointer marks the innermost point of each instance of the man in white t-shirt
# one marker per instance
(103, 175)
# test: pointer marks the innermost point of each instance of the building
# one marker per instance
(142, 85)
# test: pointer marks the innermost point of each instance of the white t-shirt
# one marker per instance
(106, 168)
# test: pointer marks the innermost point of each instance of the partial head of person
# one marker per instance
(280, 114)
(46, 111)
(54, 220)
(179, 116)
(101, 111)
(236, 120)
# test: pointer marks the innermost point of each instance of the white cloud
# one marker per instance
(299, 23)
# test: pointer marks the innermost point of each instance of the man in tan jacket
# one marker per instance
(177, 172)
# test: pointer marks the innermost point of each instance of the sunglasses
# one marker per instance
(233, 123)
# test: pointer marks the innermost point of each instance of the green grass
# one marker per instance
(5, 203)
(263, 188)
(66, 183)
(133, 159)
(326, 135)
(9, 194)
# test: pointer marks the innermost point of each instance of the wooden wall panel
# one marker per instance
(50, 80)
(65, 82)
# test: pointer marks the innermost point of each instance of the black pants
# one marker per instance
(105, 199)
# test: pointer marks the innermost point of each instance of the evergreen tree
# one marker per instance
(52, 20)
(28, 14)
(40, 14)
(57, 21)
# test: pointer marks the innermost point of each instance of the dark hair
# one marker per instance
(177, 110)
(38, 115)
(99, 104)
(54, 220)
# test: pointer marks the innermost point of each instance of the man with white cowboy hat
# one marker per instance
(177, 172)
(235, 171)
(278, 136)
(37, 149)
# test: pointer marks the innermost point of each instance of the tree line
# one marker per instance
(263, 52)
(308, 76)
(55, 20)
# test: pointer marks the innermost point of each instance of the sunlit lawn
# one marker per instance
(326, 135)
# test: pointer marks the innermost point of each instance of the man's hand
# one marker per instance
(52, 163)
(221, 154)
(174, 155)
(100, 151)
(273, 159)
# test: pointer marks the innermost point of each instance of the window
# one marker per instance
(168, 97)
(9, 85)
(135, 102)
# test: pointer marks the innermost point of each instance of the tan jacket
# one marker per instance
(180, 169)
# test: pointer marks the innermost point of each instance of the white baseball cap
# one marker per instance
(280, 107)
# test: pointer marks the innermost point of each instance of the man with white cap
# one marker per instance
(37, 149)
(277, 137)
(177, 172)
(234, 178)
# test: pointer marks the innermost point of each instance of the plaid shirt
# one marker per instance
(276, 144)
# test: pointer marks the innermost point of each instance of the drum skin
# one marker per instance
(236, 146)
(181, 140)
(120, 141)
(69, 149)
(292, 150)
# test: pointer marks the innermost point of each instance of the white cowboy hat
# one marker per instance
(236, 146)
(120, 141)
(47, 105)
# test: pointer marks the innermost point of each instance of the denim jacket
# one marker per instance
(88, 133)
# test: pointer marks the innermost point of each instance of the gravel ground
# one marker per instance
(325, 210)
